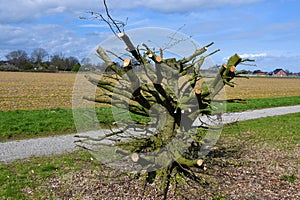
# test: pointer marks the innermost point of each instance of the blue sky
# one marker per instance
(268, 31)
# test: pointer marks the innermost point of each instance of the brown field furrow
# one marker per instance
(264, 87)
(31, 91)
(28, 91)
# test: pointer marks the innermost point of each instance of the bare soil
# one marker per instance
(35, 91)
(246, 171)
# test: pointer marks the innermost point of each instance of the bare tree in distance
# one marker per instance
(38, 55)
(19, 58)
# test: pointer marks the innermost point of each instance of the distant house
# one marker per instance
(259, 73)
(279, 73)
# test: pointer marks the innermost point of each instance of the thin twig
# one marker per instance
(108, 15)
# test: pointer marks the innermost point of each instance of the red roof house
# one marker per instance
(279, 73)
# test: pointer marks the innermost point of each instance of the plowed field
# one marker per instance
(30, 91)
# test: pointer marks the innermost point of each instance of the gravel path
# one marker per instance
(10, 151)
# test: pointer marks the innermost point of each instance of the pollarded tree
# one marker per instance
(170, 94)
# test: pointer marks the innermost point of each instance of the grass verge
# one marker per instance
(280, 132)
(19, 178)
(23, 124)
(254, 161)
(253, 104)
(27, 123)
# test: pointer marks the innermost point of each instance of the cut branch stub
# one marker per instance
(126, 62)
(130, 46)
(110, 64)
(196, 53)
(152, 55)
(200, 162)
(127, 41)
(232, 68)
(135, 157)
(197, 91)
(158, 59)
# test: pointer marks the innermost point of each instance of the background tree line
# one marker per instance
(38, 60)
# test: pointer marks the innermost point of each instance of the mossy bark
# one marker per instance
(175, 108)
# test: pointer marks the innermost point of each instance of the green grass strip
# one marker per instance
(281, 132)
(253, 104)
(20, 176)
(31, 122)
(22, 124)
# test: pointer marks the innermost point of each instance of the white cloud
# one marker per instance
(27, 10)
(271, 62)
(3, 53)
(13, 35)
(253, 55)
(249, 55)
(176, 5)
(52, 38)
(59, 9)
